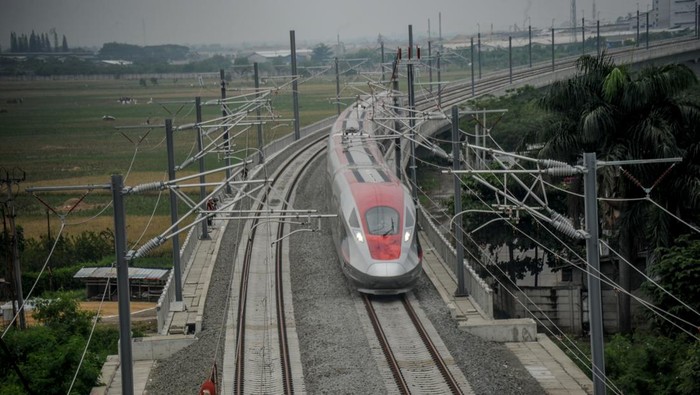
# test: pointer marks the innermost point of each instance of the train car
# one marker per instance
(375, 230)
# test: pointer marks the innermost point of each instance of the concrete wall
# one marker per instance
(564, 307)
(168, 295)
(477, 288)
(550, 306)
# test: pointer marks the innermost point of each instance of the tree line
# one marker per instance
(37, 42)
(135, 53)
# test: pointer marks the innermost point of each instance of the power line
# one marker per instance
(530, 300)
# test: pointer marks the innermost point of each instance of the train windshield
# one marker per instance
(382, 220)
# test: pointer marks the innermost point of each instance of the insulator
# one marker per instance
(151, 186)
(149, 246)
(567, 229)
(564, 225)
(561, 171)
(185, 164)
(418, 52)
(553, 163)
(560, 218)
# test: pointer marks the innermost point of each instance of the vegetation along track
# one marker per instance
(264, 364)
(415, 361)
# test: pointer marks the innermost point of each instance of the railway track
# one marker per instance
(266, 353)
(457, 93)
(413, 357)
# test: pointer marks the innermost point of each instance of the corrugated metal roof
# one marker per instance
(134, 273)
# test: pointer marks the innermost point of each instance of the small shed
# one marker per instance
(144, 284)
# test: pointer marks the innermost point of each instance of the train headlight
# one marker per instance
(359, 237)
(407, 236)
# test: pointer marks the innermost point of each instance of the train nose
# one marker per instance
(386, 269)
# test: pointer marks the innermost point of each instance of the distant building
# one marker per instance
(672, 14)
(284, 55)
(144, 284)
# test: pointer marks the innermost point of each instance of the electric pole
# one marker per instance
(595, 303)
(8, 181)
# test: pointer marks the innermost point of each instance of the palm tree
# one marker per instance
(620, 115)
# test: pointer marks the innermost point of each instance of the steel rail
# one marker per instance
(239, 378)
(434, 353)
(386, 348)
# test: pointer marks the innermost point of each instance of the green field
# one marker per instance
(58, 137)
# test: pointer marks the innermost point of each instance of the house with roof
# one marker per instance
(144, 284)
(285, 56)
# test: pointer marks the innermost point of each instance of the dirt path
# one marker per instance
(140, 311)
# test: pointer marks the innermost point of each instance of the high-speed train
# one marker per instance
(375, 230)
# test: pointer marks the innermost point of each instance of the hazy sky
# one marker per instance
(94, 22)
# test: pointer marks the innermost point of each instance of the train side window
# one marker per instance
(382, 220)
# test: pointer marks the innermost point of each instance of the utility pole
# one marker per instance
(456, 165)
(7, 181)
(478, 50)
(397, 124)
(552, 49)
(125, 357)
(573, 19)
(597, 28)
(261, 156)
(439, 82)
(227, 144)
(583, 36)
(636, 44)
(173, 211)
(382, 48)
(510, 58)
(647, 29)
(202, 177)
(430, 68)
(337, 82)
(593, 258)
(295, 85)
(429, 38)
(412, 115)
(471, 50)
(529, 44)
(440, 29)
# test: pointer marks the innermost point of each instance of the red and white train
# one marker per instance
(375, 230)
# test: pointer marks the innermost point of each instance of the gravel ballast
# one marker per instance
(335, 353)
(334, 348)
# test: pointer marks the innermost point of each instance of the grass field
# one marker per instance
(58, 137)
